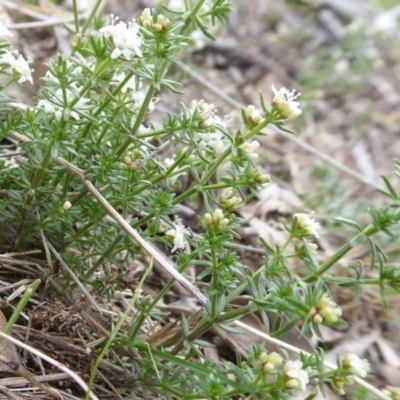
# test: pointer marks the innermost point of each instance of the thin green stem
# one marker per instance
(91, 16)
(20, 307)
(367, 232)
(214, 283)
(76, 16)
(139, 119)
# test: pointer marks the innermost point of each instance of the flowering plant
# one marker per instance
(98, 169)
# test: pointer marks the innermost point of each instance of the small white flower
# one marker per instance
(8, 58)
(18, 63)
(250, 147)
(126, 38)
(212, 139)
(178, 233)
(22, 67)
(56, 107)
(168, 162)
(284, 102)
(66, 206)
(4, 31)
(355, 365)
(296, 377)
(306, 225)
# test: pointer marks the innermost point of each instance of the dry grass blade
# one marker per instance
(21, 382)
(50, 360)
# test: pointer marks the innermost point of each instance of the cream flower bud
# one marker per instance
(208, 220)
(263, 357)
(146, 18)
(66, 206)
(268, 367)
(162, 23)
(275, 359)
(317, 319)
(253, 115)
(218, 215)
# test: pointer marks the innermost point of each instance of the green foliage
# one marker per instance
(93, 126)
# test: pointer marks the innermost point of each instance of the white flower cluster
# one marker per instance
(125, 37)
(178, 234)
(296, 378)
(306, 225)
(11, 59)
(57, 106)
(284, 102)
(356, 365)
(326, 311)
(212, 139)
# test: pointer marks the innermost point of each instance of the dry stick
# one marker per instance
(17, 367)
(57, 364)
(287, 346)
(228, 99)
(163, 260)
(18, 382)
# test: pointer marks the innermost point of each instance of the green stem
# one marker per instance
(139, 119)
(76, 16)
(20, 307)
(91, 16)
(367, 232)
(214, 283)
(232, 315)
(219, 186)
